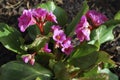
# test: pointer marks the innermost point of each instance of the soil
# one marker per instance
(10, 10)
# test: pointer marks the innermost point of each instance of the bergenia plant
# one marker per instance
(58, 50)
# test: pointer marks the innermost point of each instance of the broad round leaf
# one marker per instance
(105, 58)
(37, 44)
(83, 50)
(84, 62)
(102, 34)
(16, 70)
(33, 31)
(111, 76)
(11, 38)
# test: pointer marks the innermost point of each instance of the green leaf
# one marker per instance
(96, 77)
(47, 27)
(37, 78)
(70, 28)
(11, 38)
(38, 43)
(83, 50)
(84, 62)
(50, 6)
(59, 12)
(91, 72)
(105, 58)
(117, 16)
(33, 31)
(44, 58)
(112, 22)
(61, 71)
(111, 75)
(102, 34)
(16, 70)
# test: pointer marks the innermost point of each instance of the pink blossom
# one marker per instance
(59, 36)
(67, 50)
(32, 61)
(46, 49)
(67, 46)
(66, 43)
(26, 58)
(96, 17)
(29, 58)
(26, 20)
(82, 29)
(51, 17)
(55, 27)
(83, 34)
(61, 40)
(39, 14)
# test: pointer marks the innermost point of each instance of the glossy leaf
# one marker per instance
(44, 58)
(96, 77)
(111, 76)
(37, 78)
(33, 31)
(16, 70)
(105, 58)
(102, 34)
(91, 72)
(117, 16)
(37, 44)
(83, 50)
(50, 6)
(70, 28)
(11, 38)
(112, 22)
(84, 62)
(61, 71)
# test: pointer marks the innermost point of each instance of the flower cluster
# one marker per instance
(29, 58)
(96, 18)
(61, 40)
(91, 20)
(37, 16)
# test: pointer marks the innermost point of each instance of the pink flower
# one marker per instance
(43, 15)
(83, 34)
(26, 20)
(46, 49)
(96, 17)
(67, 50)
(32, 61)
(39, 14)
(29, 58)
(26, 58)
(59, 36)
(51, 17)
(54, 27)
(66, 43)
(82, 30)
(61, 40)
(67, 47)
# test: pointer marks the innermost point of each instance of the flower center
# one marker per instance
(58, 37)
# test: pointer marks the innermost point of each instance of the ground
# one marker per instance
(10, 10)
